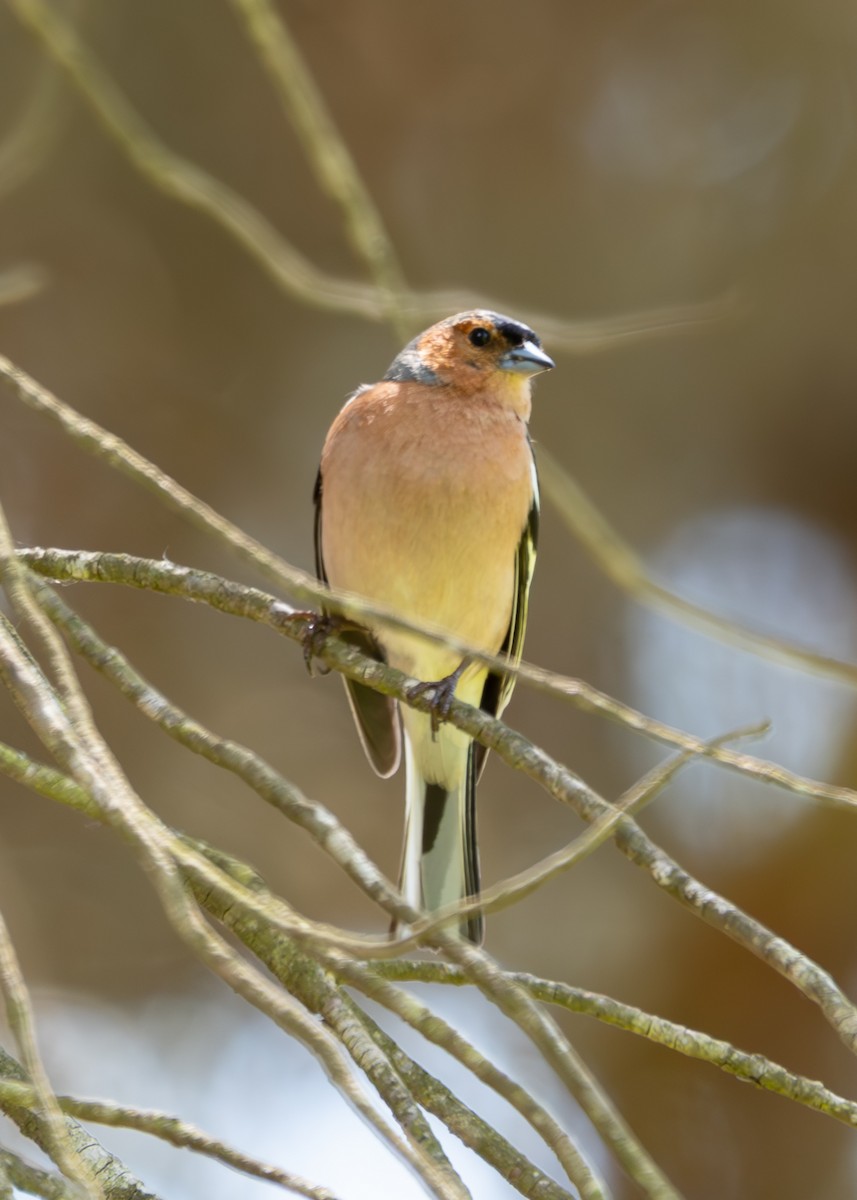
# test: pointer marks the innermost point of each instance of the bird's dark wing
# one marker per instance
(498, 687)
(376, 716)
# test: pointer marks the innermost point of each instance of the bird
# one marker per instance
(427, 502)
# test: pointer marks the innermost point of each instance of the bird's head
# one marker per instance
(475, 351)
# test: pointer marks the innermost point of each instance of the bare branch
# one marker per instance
(751, 1068)
(79, 749)
(169, 1129)
(520, 753)
(509, 1163)
(301, 970)
(295, 968)
(327, 153)
(440, 1033)
(515, 888)
(19, 1014)
(113, 1176)
(254, 771)
(307, 589)
(288, 268)
(14, 1171)
(22, 152)
(141, 830)
(255, 605)
(621, 564)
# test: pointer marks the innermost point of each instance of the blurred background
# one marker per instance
(580, 160)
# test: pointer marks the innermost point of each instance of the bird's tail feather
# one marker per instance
(440, 862)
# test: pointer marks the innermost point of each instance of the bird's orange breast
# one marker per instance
(425, 497)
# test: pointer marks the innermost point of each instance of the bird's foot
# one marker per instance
(315, 628)
(442, 695)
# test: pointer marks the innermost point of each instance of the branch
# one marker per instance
(515, 888)
(299, 969)
(440, 1033)
(469, 1128)
(55, 1135)
(517, 752)
(113, 1176)
(751, 1068)
(625, 568)
(327, 152)
(307, 589)
(250, 603)
(14, 1171)
(22, 152)
(80, 751)
(168, 1129)
(306, 971)
(145, 833)
(289, 269)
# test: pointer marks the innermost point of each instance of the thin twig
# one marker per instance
(264, 939)
(521, 754)
(32, 1180)
(80, 750)
(26, 146)
(752, 1068)
(19, 1014)
(440, 1033)
(168, 1129)
(300, 973)
(512, 1000)
(515, 888)
(306, 589)
(116, 1180)
(312, 977)
(516, 1005)
(625, 568)
(485, 1141)
(289, 269)
(327, 153)
(318, 821)
(251, 603)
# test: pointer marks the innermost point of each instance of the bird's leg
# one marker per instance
(443, 693)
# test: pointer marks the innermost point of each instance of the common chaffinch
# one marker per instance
(427, 502)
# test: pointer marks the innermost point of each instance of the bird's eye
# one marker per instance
(479, 336)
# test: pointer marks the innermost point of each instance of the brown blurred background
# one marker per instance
(575, 159)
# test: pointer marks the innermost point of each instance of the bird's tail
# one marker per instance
(440, 861)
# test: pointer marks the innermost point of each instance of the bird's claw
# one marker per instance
(442, 695)
(315, 629)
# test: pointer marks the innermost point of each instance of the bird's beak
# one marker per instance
(526, 359)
